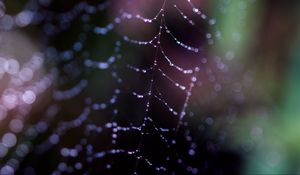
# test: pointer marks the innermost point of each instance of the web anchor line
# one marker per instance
(150, 89)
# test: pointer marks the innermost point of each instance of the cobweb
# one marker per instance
(118, 78)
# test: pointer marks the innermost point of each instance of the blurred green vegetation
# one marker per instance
(268, 137)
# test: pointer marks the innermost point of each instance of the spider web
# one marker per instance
(123, 111)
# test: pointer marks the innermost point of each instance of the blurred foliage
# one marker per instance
(268, 135)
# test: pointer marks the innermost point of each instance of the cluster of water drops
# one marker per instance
(21, 86)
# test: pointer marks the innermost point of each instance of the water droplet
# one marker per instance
(28, 97)
(9, 140)
(11, 66)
